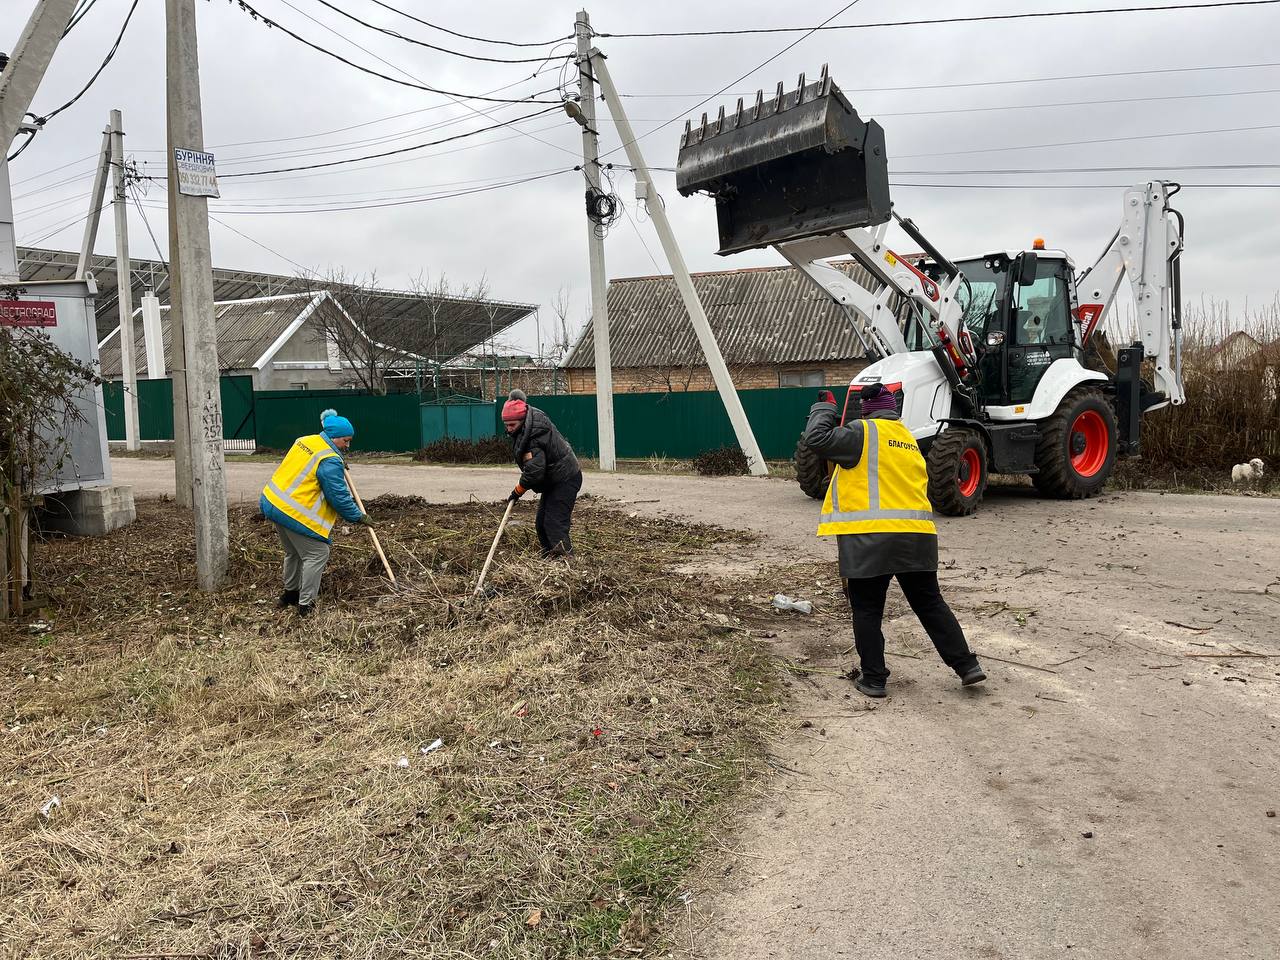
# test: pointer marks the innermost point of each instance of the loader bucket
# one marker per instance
(798, 165)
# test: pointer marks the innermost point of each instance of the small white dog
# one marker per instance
(1244, 472)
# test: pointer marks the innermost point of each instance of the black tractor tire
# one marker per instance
(811, 472)
(954, 488)
(1076, 452)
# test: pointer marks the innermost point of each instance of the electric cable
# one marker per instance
(1219, 4)
(400, 69)
(388, 153)
(1079, 186)
(1083, 143)
(42, 175)
(991, 83)
(269, 23)
(80, 12)
(31, 135)
(464, 36)
(97, 73)
(787, 48)
(1118, 169)
(422, 43)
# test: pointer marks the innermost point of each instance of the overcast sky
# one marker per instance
(529, 240)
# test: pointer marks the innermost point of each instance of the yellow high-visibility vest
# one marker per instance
(295, 489)
(887, 492)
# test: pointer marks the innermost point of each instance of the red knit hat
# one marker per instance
(515, 408)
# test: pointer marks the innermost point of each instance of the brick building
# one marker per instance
(774, 328)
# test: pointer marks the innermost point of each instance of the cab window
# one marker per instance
(1042, 311)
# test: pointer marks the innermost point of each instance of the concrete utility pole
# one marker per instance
(191, 286)
(595, 246)
(97, 199)
(124, 286)
(680, 271)
(18, 85)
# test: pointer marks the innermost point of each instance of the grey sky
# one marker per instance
(530, 239)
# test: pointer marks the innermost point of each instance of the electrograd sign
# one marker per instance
(28, 313)
(196, 174)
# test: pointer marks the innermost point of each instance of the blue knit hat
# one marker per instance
(335, 426)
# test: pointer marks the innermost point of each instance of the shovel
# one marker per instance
(372, 535)
(484, 571)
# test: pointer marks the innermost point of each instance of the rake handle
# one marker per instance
(484, 571)
(372, 533)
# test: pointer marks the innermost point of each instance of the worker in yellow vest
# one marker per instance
(304, 499)
(878, 509)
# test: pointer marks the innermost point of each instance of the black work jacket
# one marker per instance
(865, 555)
(553, 461)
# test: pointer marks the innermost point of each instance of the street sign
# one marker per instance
(28, 313)
(196, 174)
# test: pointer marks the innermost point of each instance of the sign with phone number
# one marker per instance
(28, 313)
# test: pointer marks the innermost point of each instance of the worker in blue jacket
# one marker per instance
(303, 500)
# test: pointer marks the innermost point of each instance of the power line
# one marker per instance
(988, 83)
(464, 36)
(1083, 143)
(78, 15)
(1119, 169)
(97, 73)
(413, 77)
(389, 153)
(407, 201)
(431, 46)
(754, 69)
(943, 20)
(1074, 103)
(374, 73)
(305, 200)
(223, 223)
(1078, 186)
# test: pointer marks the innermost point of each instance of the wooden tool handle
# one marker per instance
(372, 534)
(484, 571)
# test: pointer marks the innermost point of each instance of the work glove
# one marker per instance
(826, 396)
(366, 520)
(516, 494)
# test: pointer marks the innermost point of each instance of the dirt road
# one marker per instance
(1105, 796)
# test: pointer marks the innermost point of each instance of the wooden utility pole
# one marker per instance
(191, 298)
(124, 285)
(595, 245)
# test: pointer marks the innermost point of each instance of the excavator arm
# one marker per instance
(1146, 250)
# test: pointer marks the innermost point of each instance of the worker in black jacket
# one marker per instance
(877, 507)
(547, 466)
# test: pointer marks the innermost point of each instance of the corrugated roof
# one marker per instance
(246, 329)
(761, 315)
(461, 323)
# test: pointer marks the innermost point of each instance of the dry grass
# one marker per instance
(229, 777)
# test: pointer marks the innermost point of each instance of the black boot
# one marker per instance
(306, 609)
(287, 599)
(974, 674)
(870, 689)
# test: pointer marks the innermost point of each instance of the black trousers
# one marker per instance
(866, 600)
(555, 515)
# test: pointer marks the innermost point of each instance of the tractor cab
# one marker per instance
(1019, 309)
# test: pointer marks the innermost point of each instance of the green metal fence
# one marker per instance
(683, 425)
(467, 419)
(155, 409)
(391, 423)
(677, 425)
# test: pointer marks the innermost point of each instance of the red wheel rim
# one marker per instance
(1090, 443)
(970, 473)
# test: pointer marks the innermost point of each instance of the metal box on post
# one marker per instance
(798, 165)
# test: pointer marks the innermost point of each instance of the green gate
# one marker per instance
(155, 409)
(464, 418)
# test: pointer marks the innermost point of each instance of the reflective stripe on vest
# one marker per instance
(887, 492)
(294, 489)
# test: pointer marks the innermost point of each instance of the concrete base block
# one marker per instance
(91, 512)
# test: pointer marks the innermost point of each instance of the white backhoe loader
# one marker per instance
(992, 358)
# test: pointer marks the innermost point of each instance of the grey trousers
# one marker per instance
(304, 561)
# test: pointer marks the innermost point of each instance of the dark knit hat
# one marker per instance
(876, 397)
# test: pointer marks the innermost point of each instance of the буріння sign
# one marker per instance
(28, 313)
(196, 175)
